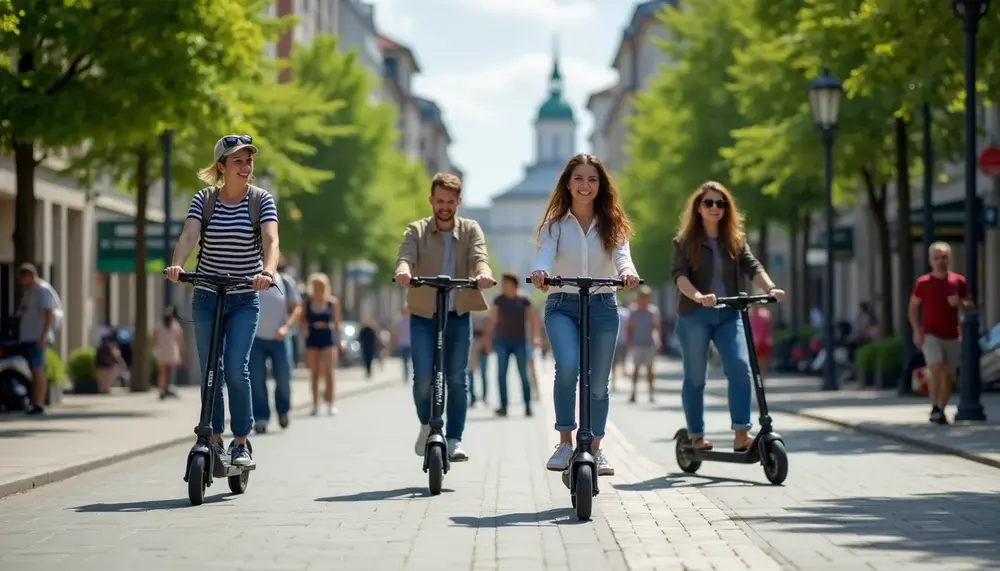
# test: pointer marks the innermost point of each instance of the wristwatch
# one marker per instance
(771, 288)
(268, 274)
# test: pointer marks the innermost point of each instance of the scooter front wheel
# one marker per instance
(583, 492)
(775, 462)
(435, 469)
(685, 455)
(196, 479)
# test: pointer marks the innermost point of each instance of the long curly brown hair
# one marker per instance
(613, 224)
(692, 229)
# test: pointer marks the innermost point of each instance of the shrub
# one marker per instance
(55, 372)
(890, 355)
(82, 364)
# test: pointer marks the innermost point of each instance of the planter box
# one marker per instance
(53, 395)
(85, 387)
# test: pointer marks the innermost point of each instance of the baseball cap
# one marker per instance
(232, 143)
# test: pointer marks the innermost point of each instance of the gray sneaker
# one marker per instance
(604, 468)
(560, 458)
(241, 455)
(220, 450)
(455, 452)
(421, 445)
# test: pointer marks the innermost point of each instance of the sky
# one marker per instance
(486, 63)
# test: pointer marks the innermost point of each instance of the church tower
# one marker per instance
(555, 127)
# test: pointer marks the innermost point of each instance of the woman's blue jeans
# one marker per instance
(562, 326)
(239, 326)
(724, 328)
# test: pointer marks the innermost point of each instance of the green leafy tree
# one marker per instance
(335, 224)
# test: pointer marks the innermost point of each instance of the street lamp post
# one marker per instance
(969, 406)
(824, 98)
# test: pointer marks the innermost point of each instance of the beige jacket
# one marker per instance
(422, 251)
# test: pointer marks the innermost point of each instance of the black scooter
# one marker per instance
(204, 463)
(767, 447)
(581, 477)
(436, 462)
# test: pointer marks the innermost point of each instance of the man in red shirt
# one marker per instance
(937, 332)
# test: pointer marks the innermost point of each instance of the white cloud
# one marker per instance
(489, 93)
(393, 19)
(550, 12)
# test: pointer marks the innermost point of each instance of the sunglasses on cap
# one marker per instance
(233, 140)
(708, 203)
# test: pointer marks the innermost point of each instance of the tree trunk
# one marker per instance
(904, 237)
(24, 210)
(876, 205)
(141, 354)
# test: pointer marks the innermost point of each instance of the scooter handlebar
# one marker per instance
(558, 281)
(743, 300)
(444, 282)
(217, 280)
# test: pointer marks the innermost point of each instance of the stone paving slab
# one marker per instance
(90, 431)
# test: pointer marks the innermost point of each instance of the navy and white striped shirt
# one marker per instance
(229, 247)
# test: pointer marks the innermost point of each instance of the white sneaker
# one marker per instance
(331, 410)
(313, 411)
(421, 444)
(604, 468)
(560, 458)
(455, 452)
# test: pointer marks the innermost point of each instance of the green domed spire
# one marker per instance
(555, 108)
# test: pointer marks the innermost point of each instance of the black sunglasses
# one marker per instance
(708, 203)
(232, 140)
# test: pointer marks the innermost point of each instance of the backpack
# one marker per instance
(208, 209)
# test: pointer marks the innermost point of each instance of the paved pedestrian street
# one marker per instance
(347, 493)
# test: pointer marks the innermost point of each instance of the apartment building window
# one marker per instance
(390, 67)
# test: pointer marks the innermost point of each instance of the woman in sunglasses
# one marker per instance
(710, 253)
(232, 240)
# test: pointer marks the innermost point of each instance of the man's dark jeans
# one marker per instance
(519, 349)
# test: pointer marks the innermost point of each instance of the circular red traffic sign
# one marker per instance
(989, 161)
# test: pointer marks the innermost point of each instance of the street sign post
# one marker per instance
(116, 245)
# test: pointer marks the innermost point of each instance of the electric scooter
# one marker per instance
(581, 476)
(204, 463)
(436, 461)
(767, 447)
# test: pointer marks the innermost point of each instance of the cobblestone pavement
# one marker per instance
(347, 493)
(851, 501)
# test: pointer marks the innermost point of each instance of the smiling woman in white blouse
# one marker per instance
(584, 232)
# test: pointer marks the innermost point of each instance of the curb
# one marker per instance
(38, 480)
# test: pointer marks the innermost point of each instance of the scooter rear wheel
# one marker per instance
(435, 469)
(196, 479)
(584, 492)
(238, 484)
(685, 456)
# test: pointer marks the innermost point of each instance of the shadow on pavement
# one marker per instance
(382, 495)
(554, 516)
(21, 432)
(947, 525)
(148, 506)
(682, 480)
(55, 415)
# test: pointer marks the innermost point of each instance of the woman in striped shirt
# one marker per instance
(231, 245)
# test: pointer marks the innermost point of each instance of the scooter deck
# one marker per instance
(749, 456)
